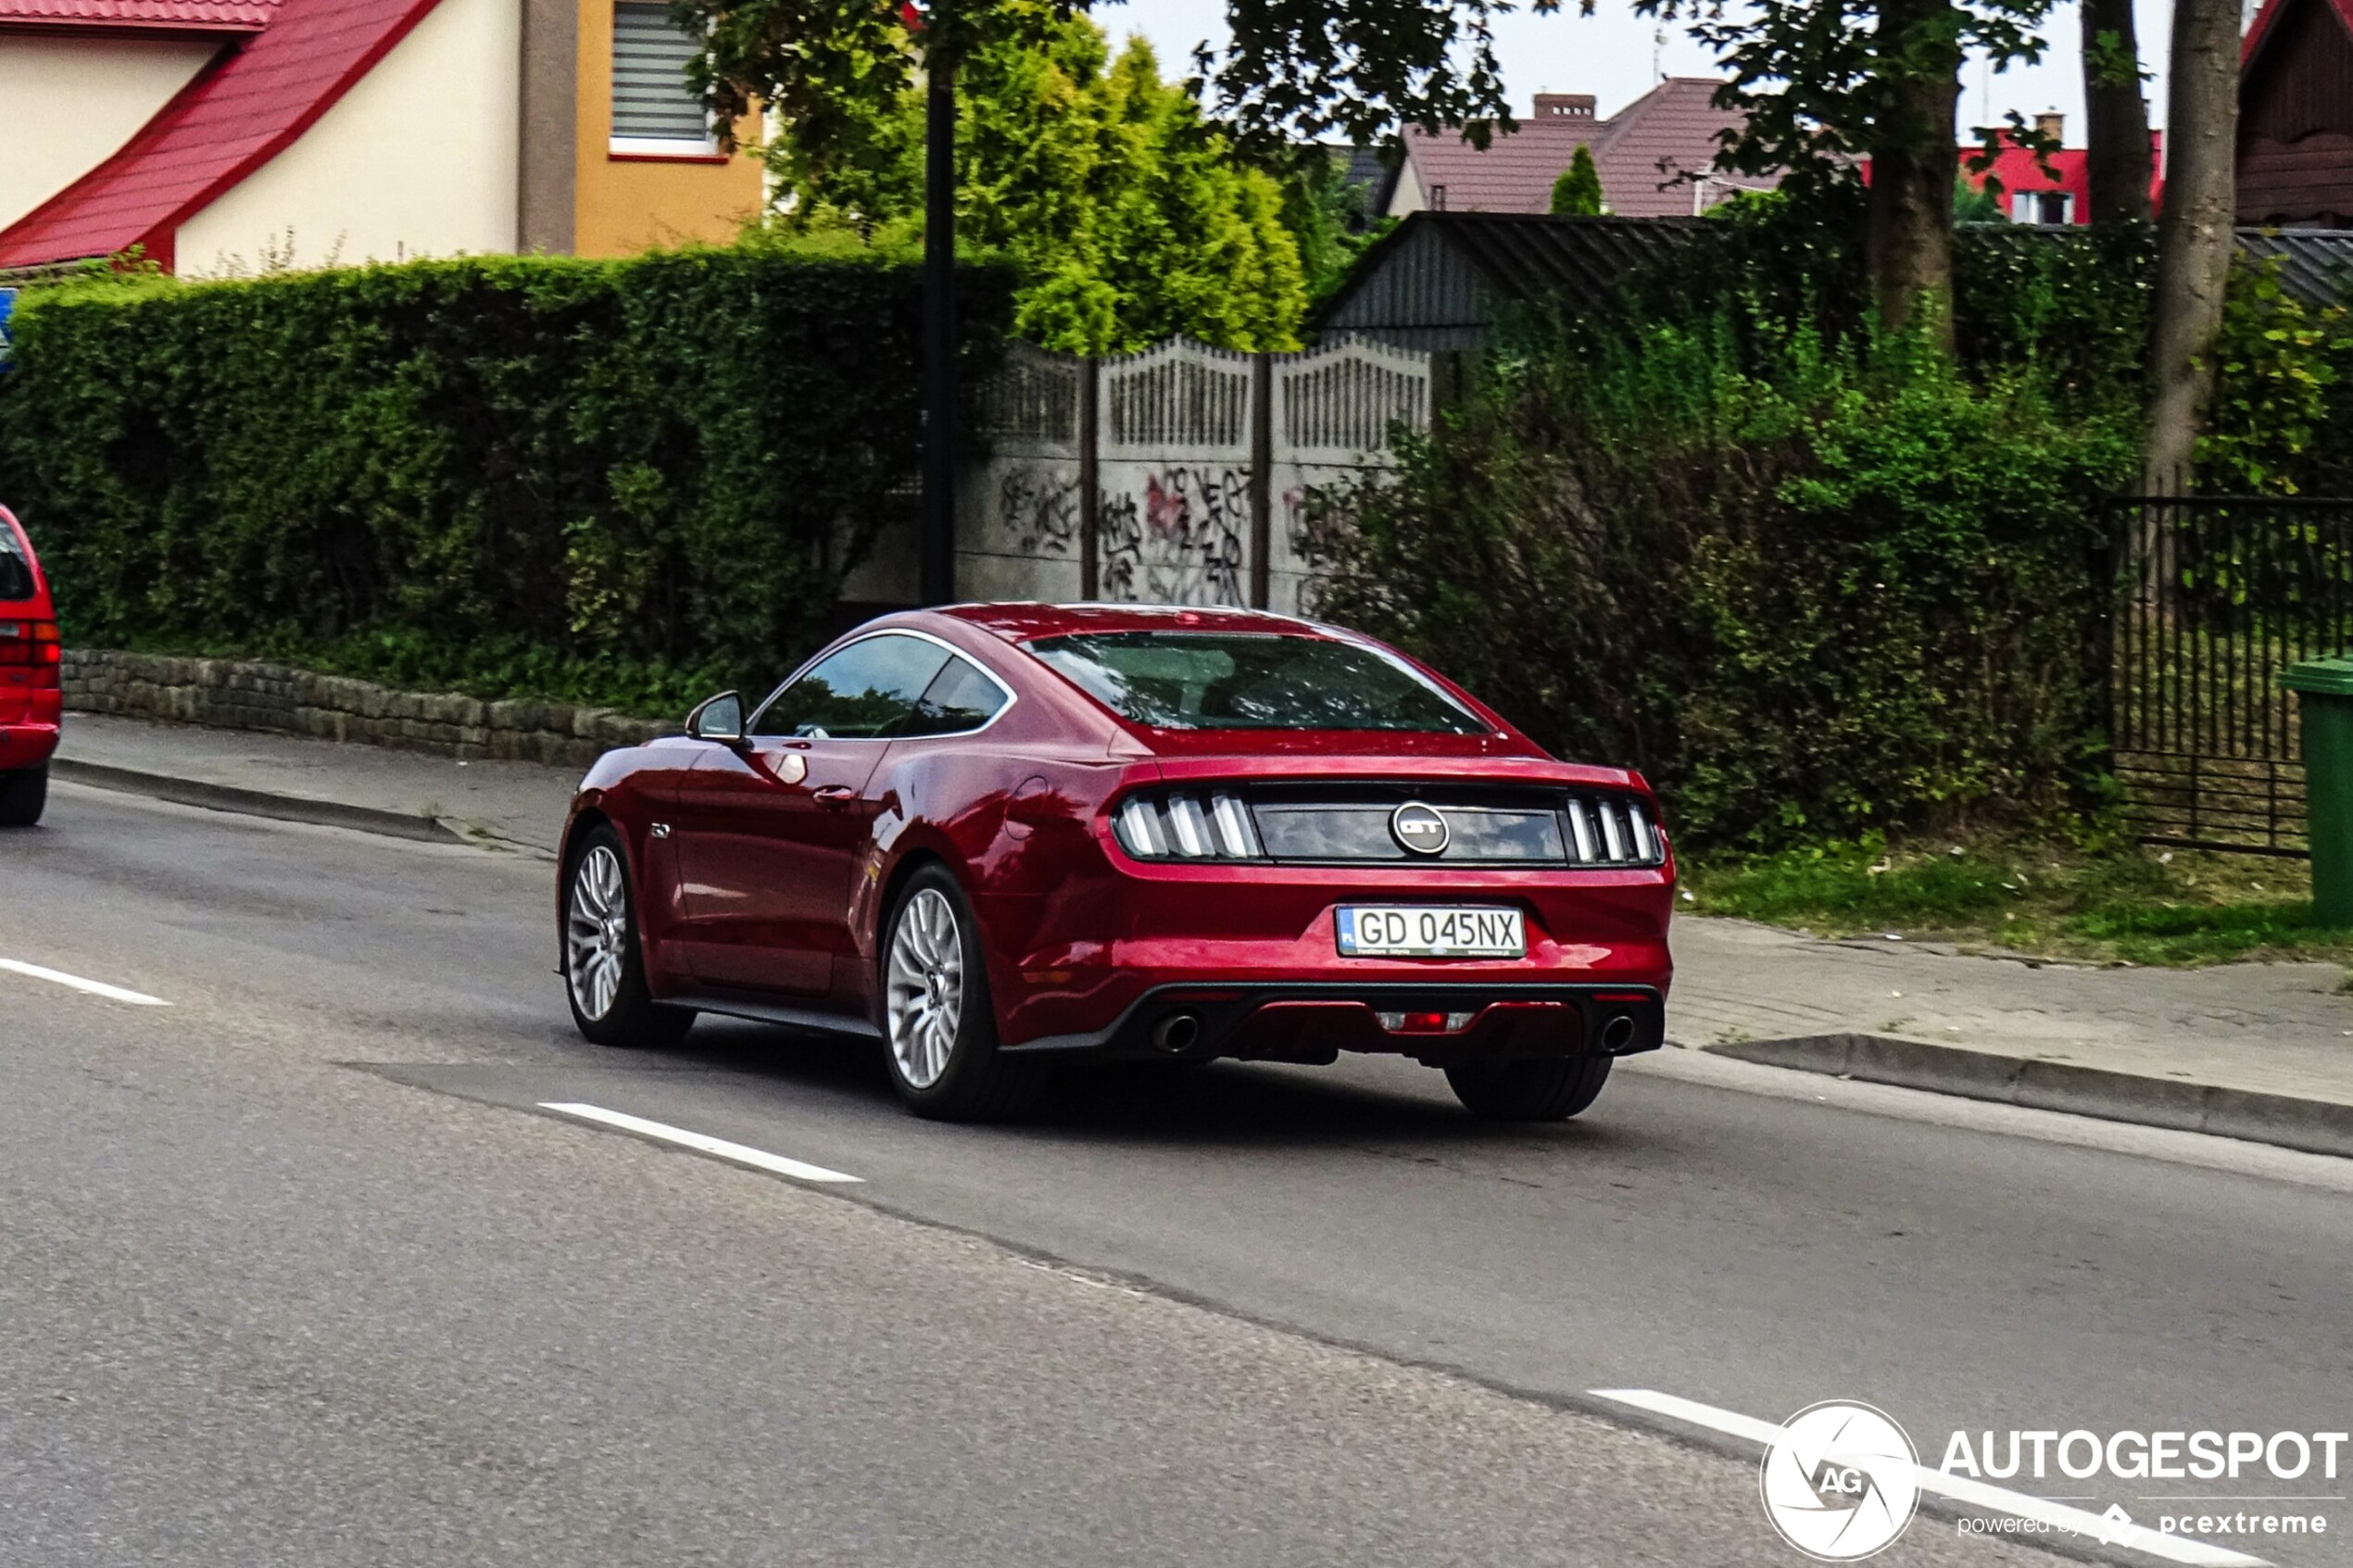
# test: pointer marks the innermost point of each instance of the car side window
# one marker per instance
(867, 690)
(959, 700)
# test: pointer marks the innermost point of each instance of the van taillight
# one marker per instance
(35, 643)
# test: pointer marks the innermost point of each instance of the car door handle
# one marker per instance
(834, 794)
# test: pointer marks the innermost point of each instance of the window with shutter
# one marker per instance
(653, 110)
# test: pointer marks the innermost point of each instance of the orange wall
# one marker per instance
(623, 205)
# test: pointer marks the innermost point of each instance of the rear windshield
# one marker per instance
(16, 573)
(1251, 681)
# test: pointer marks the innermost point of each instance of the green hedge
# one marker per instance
(619, 481)
(1810, 589)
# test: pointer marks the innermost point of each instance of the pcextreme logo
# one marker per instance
(1840, 1482)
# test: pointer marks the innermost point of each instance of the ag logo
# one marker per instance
(1841, 1481)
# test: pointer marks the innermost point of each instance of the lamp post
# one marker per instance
(939, 531)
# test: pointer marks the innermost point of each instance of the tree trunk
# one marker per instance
(1909, 245)
(2194, 233)
(2116, 137)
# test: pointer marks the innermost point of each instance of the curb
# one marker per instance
(2312, 1125)
(256, 803)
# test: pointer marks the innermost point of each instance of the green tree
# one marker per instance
(1577, 192)
(1977, 204)
(1292, 69)
(1129, 218)
(1827, 82)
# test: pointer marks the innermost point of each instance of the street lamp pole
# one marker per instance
(939, 553)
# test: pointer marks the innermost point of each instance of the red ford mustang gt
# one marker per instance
(999, 837)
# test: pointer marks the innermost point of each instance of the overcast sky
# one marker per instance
(1611, 55)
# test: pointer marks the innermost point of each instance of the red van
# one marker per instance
(31, 704)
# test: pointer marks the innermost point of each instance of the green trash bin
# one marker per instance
(2323, 688)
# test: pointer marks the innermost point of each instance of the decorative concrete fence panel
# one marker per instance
(1334, 411)
(1178, 475)
(1018, 511)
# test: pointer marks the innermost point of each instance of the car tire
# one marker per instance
(604, 966)
(940, 1028)
(1545, 1089)
(24, 795)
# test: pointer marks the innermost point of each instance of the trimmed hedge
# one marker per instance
(616, 480)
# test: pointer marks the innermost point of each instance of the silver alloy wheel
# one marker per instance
(925, 993)
(596, 931)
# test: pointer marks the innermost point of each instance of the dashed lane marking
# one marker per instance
(75, 982)
(701, 1143)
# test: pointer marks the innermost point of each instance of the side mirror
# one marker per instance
(720, 719)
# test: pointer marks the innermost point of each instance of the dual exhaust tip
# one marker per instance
(1181, 1031)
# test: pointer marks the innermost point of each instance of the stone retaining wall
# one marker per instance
(231, 694)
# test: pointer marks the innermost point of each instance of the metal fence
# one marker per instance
(2214, 596)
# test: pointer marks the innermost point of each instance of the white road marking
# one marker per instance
(702, 1143)
(1960, 1488)
(94, 988)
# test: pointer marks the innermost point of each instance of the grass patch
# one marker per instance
(2113, 905)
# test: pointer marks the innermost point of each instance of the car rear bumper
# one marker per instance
(1435, 1021)
(26, 745)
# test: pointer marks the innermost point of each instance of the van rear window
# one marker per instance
(16, 572)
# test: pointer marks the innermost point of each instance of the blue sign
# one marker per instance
(8, 344)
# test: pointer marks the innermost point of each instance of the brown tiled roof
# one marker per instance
(1672, 124)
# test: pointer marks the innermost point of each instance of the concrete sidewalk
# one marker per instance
(2254, 1050)
(2260, 1052)
(519, 804)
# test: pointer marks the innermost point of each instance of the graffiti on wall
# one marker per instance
(1038, 509)
(1181, 540)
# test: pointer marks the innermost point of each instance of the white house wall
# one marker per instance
(419, 158)
(66, 104)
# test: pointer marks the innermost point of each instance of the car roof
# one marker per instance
(1021, 623)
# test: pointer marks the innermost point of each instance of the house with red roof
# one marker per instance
(1656, 156)
(2048, 188)
(2295, 116)
(225, 136)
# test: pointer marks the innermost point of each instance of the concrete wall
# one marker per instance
(66, 104)
(419, 158)
(628, 202)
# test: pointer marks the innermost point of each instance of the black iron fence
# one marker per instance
(2214, 595)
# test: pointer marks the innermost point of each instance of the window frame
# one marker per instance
(650, 149)
(752, 726)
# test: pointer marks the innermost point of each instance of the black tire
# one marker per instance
(599, 926)
(976, 1082)
(1545, 1089)
(23, 796)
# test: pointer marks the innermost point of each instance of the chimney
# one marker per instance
(2051, 124)
(1564, 105)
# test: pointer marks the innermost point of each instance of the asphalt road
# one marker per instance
(294, 1268)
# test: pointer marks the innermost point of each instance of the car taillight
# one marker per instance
(35, 643)
(1188, 826)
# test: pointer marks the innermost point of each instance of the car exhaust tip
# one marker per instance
(1618, 1033)
(1177, 1033)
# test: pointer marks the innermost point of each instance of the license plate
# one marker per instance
(1426, 933)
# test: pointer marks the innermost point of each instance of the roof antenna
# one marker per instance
(1658, 42)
